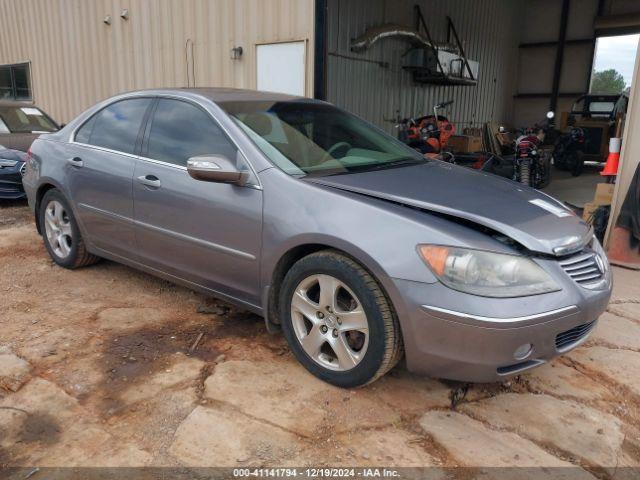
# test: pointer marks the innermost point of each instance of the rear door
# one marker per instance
(206, 233)
(99, 174)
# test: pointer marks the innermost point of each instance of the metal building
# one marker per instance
(80, 51)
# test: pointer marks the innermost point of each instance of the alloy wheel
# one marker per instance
(57, 227)
(330, 322)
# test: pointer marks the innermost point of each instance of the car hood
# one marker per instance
(533, 219)
(10, 154)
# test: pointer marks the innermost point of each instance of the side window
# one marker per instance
(116, 126)
(84, 133)
(180, 130)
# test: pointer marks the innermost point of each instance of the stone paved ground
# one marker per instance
(95, 370)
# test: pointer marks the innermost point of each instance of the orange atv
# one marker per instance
(429, 134)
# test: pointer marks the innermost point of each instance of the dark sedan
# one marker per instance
(21, 123)
(12, 164)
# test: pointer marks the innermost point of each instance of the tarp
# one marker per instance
(629, 217)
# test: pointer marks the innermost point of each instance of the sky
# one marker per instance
(618, 53)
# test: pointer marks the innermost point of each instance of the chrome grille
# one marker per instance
(583, 268)
(23, 169)
(573, 335)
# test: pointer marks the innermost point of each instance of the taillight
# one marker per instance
(29, 154)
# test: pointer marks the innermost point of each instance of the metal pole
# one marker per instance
(320, 51)
(557, 71)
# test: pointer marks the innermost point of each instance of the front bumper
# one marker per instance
(11, 182)
(467, 338)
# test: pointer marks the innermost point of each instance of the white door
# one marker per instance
(281, 67)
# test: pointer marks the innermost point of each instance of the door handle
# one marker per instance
(150, 181)
(75, 161)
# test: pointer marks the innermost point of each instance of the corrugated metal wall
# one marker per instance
(489, 31)
(77, 60)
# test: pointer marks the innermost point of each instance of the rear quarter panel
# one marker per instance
(46, 166)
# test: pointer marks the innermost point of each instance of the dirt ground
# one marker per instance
(105, 373)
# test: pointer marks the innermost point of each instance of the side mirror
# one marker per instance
(216, 168)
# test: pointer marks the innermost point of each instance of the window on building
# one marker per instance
(15, 82)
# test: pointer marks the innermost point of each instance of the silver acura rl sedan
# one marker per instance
(355, 246)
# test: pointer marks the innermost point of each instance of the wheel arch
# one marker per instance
(289, 257)
(40, 193)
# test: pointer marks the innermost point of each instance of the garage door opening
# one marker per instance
(613, 64)
(597, 116)
(368, 54)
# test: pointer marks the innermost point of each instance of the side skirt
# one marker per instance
(178, 280)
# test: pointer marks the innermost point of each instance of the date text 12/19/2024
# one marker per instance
(315, 473)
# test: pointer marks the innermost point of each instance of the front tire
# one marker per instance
(337, 320)
(577, 163)
(61, 234)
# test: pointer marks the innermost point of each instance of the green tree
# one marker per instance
(607, 82)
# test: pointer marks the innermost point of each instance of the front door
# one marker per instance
(206, 233)
(99, 173)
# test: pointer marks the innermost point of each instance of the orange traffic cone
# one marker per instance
(611, 167)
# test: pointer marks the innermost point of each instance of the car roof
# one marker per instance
(16, 104)
(221, 95)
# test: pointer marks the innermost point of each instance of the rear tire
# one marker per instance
(577, 163)
(61, 234)
(352, 343)
(525, 173)
(545, 176)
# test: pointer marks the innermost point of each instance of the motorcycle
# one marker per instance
(568, 152)
(531, 166)
(428, 134)
(527, 164)
(525, 161)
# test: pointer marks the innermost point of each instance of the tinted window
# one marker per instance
(84, 133)
(181, 130)
(116, 127)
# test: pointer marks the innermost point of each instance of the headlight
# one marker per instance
(8, 163)
(485, 273)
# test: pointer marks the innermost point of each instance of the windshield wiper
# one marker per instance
(401, 162)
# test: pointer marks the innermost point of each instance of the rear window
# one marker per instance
(26, 120)
(601, 107)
